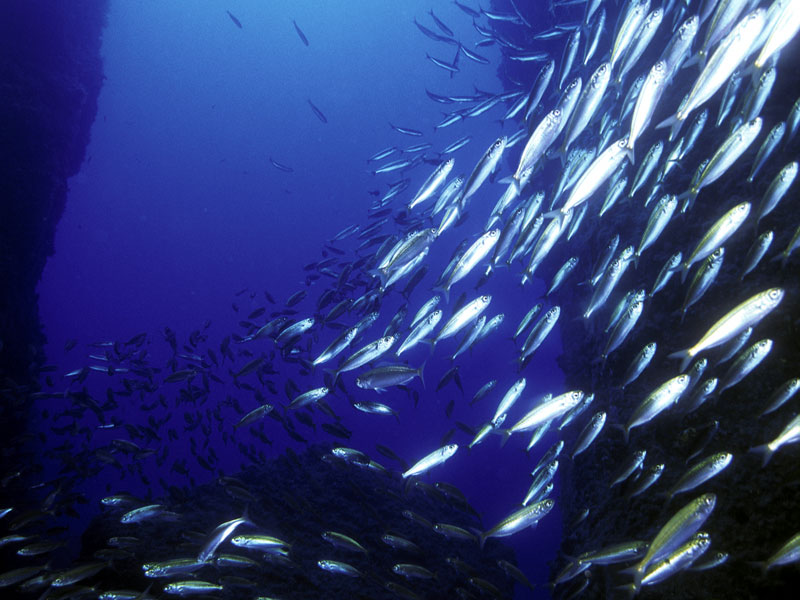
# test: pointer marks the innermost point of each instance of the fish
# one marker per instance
(406, 130)
(660, 399)
(431, 460)
(432, 183)
(730, 150)
(338, 567)
(280, 166)
(380, 378)
(594, 176)
(521, 519)
(470, 259)
(789, 435)
(727, 57)
(485, 166)
(547, 410)
(463, 317)
(717, 235)
(701, 472)
(788, 553)
(589, 433)
(317, 111)
(236, 21)
(300, 33)
(675, 532)
(777, 190)
(744, 315)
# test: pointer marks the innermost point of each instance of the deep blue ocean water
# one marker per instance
(177, 208)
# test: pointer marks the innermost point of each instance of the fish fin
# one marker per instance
(765, 453)
(334, 374)
(684, 355)
(631, 588)
(625, 430)
(445, 291)
(419, 372)
(668, 122)
(515, 182)
(505, 433)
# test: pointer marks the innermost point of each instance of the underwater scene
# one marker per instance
(418, 299)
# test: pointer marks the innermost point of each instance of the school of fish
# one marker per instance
(607, 155)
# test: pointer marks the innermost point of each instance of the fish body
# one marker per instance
(701, 472)
(646, 103)
(463, 317)
(433, 459)
(518, 520)
(738, 319)
(589, 433)
(432, 183)
(729, 54)
(485, 167)
(659, 218)
(717, 234)
(675, 532)
(548, 410)
(309, 397)
(472, 257)
(387, 376)
(421, 331)
(664, 396)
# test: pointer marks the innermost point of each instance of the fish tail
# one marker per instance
(505, 434)
(629, 153)
(625, 430)
(765, 451)
(684, 355)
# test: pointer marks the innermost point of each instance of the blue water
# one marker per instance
(177, 208)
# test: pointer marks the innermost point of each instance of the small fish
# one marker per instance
(406, 130)
(236, 21)
(789, 435)
(701, 472)
(433, 459)
(300, 32)
(317, 111)
(281, 167)
(745, 315)
(518, 520)
(675, 532)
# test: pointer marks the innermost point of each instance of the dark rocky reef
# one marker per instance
(50, 77)
(296, 498)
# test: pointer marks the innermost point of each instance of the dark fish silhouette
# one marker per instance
(300, 33)
(318, 112)
(236, 21)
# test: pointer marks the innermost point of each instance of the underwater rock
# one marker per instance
(296, 498)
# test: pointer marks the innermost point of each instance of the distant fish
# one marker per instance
(405, 130)
(299, 32)
(236, 21)
(445, 29)
(280, 166)
(317, 112)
